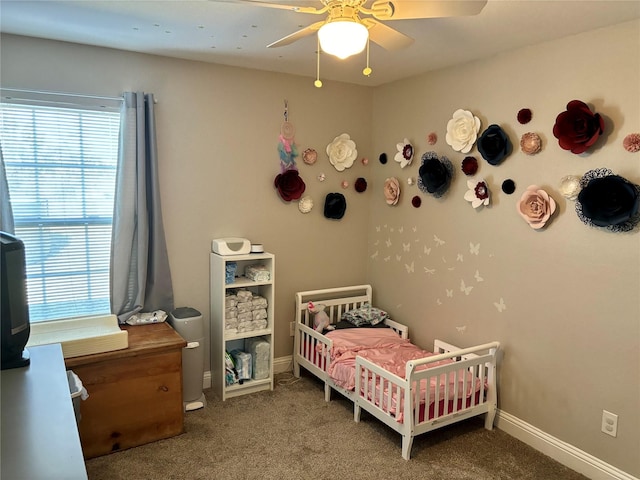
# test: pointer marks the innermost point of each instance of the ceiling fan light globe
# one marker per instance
(343, 38)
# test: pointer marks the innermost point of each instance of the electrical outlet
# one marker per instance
(610, 423)
(292, 328)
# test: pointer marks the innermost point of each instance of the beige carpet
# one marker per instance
(291, 433)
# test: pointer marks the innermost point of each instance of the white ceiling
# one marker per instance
(231, 33)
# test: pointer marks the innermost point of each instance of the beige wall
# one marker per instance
(570, 331)
(218, 133)
(571, 328)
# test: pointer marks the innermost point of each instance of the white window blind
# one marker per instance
(61, 164)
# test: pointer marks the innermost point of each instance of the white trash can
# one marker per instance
(78, 393)
(188, 323)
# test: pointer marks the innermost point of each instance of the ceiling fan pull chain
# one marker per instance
(367, 71)
(318, 83)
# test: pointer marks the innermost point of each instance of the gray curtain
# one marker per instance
(140, 276)
(6, 213)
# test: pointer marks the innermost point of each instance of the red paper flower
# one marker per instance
(469, 165)
(290, 185)
(360, 185)
(524, 116)
(578, 127)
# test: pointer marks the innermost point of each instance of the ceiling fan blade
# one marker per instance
(387, 37)
(407, 9)
(289, 39)
(281, 6)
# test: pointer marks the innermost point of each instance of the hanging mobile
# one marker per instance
(287, 147)
(287, 129)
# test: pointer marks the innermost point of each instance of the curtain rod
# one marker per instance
(43, 92)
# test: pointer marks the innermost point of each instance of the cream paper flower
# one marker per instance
(462, 130)
(478, 193)
(342, 152)
(305, 204)
(405, 153)
(570, 186)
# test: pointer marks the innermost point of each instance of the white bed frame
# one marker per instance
(312, 351)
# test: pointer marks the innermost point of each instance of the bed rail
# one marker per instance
(436, 391)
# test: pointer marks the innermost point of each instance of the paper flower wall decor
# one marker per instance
(360, 185)
(416, 201)
(342, 152)
(462, 130)
(391, 191)
(305, 204)
(469, 166)
(609, 201)
(383, 158)
(405, 153)
(508, 186)
(631, 142)
(435, 174)
(494, 145)
(530, 143)
(570, 186)
(334, 206)
(578, 128)
(524, 116)
(365, 161)
(478, 193)
(536, 207)
(290, 185)
(432, 138)
(309, 156)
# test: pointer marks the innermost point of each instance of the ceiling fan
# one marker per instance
(350, 24)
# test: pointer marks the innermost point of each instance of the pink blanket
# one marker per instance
(383, 347)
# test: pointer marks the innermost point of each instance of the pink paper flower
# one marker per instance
(536, 207)
(391, 191)
(530, 143)
(631, 142)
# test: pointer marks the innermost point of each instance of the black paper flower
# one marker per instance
(608, 200)
(334, 206)
(494, 145)
(435, 174)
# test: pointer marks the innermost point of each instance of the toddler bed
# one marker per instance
(409, 389)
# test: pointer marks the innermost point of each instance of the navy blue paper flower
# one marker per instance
(494, 145)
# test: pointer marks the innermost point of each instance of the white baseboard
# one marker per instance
(560, 451)
(280, 365)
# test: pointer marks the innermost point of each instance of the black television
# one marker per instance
(15, 307)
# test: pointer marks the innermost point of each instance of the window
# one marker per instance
(60, 161)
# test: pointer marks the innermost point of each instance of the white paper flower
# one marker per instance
(570, 186)
(342, 152)
(405, 153)
(478, 193)
(462, 130)
(305, 204)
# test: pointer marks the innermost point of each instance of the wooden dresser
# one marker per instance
(135, 394)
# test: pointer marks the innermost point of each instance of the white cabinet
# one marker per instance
(224, 282)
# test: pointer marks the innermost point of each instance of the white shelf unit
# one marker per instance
(222, 340)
